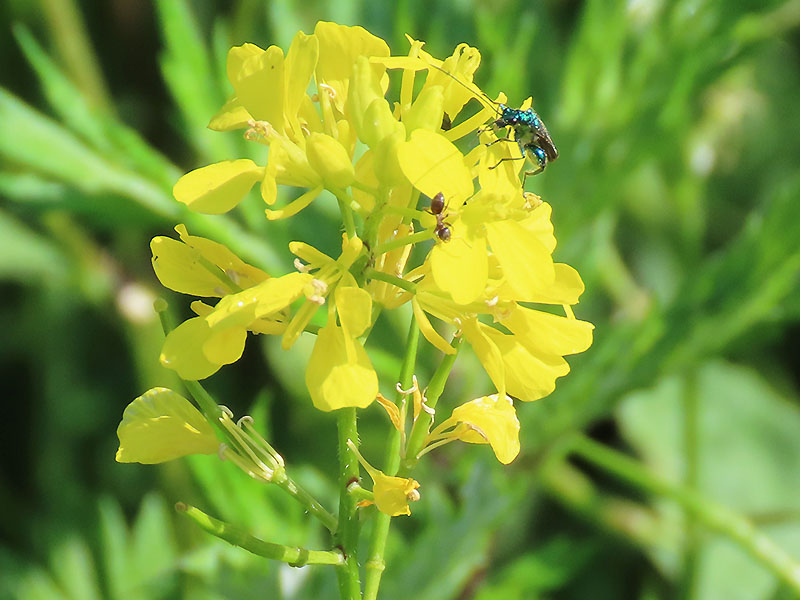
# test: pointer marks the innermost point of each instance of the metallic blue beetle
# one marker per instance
(530, 133)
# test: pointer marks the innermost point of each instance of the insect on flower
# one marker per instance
(436, 209)
(530, 132)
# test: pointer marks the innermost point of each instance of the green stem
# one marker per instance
(347, 216)
(435, 388)
(395, 281)
(293, 555)
(347, 531)
(708, 513)
(380, 533)
(420, 236)
(691, 436)
(308, 501)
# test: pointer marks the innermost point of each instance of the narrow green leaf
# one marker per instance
(188, 73)
(74, 569)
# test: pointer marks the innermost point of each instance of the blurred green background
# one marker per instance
(676, 196)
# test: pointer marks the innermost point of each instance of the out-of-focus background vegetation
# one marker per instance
(676, 195)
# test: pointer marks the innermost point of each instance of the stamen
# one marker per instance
(331, 92)
(300, 266)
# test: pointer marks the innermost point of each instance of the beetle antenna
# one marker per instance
(480, 95)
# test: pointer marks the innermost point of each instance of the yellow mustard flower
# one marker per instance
(161, 425)
(487, 420)
(198, 347)
(392, 495)
(340, 373)
(201, 267)
(309, 148)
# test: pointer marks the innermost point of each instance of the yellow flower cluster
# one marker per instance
(322, 110)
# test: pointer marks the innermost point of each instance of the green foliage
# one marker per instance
(675, 196)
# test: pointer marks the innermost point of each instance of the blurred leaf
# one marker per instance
(153, 550)
(747, 444)
(191, 78)
(548, 568)
(74, 569)
(28, 256)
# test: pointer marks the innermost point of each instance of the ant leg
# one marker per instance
(502, 160)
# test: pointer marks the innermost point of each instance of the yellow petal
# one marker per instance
(295, 206)
(258, 78)
(491, 420)
(231, 116)
(427, 110)
(433, 164)
(183, 350)
(527, 377)
(538, 223)
(201, 267)
(217, 188)
(161, 425)
(487, 352)
(330, 159)
(428, 331)
(225, 346)
(546, 334)
(392, 494)
(335, 381)
(279, 292)
(354, 307)
(460, 267)
(339, 47)
(527, 264)
(391, 410)
(301, 60)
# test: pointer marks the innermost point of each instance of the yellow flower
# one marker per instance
(308, 148)
(488, 420)
(392, 494)
(201, 267)
(526, 365)
(161, 425)
(198, 347)
(339, 372)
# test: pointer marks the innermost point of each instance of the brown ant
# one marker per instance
(442, 226)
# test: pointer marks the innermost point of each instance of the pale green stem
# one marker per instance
(213, 413)
(380, 533)
(347, 530)
(691, 435)
(419, 432)
(347, 216)
(308, 501)
(707, 512)
(420, 236)
(293, 555)
(395, 281)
